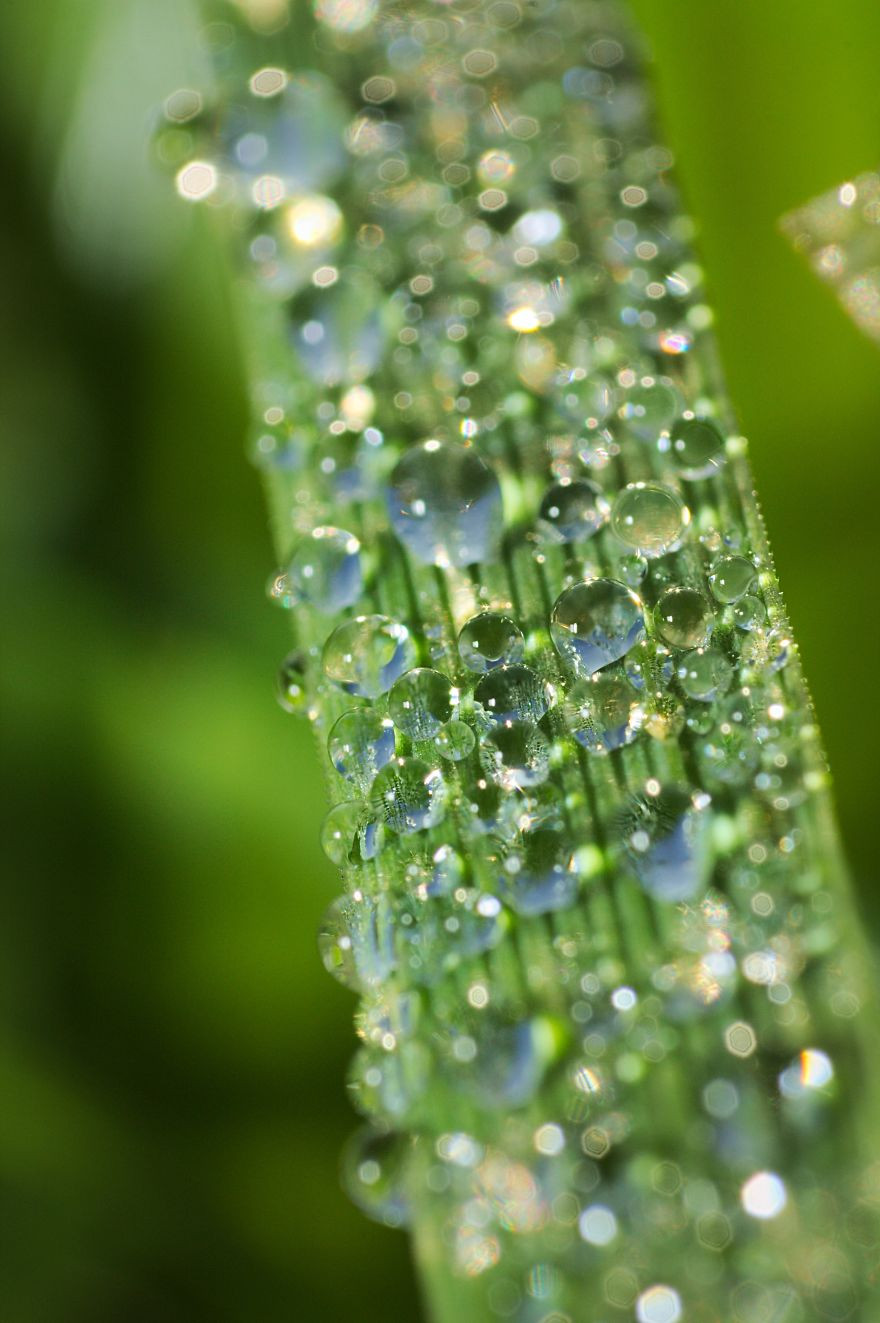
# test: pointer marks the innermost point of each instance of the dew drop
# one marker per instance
(666, 841)
(374, 1174)
(367, 654)
(513, 693)
(584, 399)
(326, 569)
(489, 640)
(408, 795)
(749, 613)
(705, 674)
(573, 511)
(519, 754)
(335, 945)
(444, 503)
(455, 741)
(360, 743)
(696, 448)
(650, 408)
(596, 623)
(538, 877)
(510, 1061)
(340, 832)
(421, 702)
(731, 578)
(291, 690)
(649, 519)
(684, 618)
(602, 712)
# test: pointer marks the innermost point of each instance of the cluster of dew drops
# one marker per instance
(548, 643)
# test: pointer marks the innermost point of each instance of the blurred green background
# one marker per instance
(172, 1055)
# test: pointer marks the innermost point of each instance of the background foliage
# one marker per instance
(171, 1054)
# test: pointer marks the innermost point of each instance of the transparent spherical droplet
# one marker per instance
(513, 693)
(421, 702)
(360, 743)
(444, 503)
(374, 1174)
(665, 839)
(695, 447)
(455, 741)
(684, 618)
(339, 333)
(705, 674)
(650, 408)
(731, 578)
(632, 570)
(596, 623)
(509, 1060)
(585, 399)
(729, 755)
(291, 691)
(572, 511)
(366, 655)
(603, 712)
(649, 519)
(749, 613)
(659, 1304)
(335, 944)
(519, 755)
(489, 640)
(408, 795)
(325, 570)
(537, 876)
(340, 832)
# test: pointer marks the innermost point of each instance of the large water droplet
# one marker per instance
(684, 618)
(421, 702)
(444, 503)
(374, 1174)
(537, 875)
(359, 744)
(513, 693)
(572, 511)
(489, 640)
(602, 712)
(366, 655)
(519, 755)
(325, 570)
(731, 578)
(596, 623)
(649, 519)
(666, 840)
(409, 795)
(696, 448)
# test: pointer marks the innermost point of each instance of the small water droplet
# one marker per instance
(291, 692)
(513, 693)
(596, 623)
(584, 399)
(731, 578)
(421, 702)
(696, 448)
(649, 519)
(340, 833)
(519, 754)
(572, 511)
(684, 618)
(367, 654)
(749, 613)
(444, 503)
(650, 408)
(335, 944)
(603, 712)
(488, 640)
(537, 875)
(666, 841)
(510, 1060)
(408, 795)
(374, 1174)
(360, 743)
(325, 570)
(455, 741)
(705, 674)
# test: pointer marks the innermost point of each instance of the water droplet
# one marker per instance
(596, 623)
(705, 674)
(444, 503)
(279, 590)
(520, 755)
(649, 519)
(340, 832)
(666, 841)
(603, 712)
(335, 944)
(489, 640)
(650, 408)
(291, 692)
(339, 333)
(696, 448)
(455, 741)
(572, 511)
(731, 578)
(513, 693)
(749, 613)
(584, 399)
(684, 618)
(359, 744)
(421, 702)
(409, 795)
(366, 655)
(632, 569)
(510, 1060)
(537, 876)
(326, 569)
(374, 1174)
